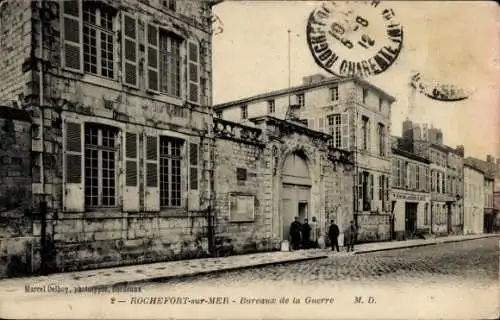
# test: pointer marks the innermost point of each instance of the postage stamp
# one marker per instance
(348, 38)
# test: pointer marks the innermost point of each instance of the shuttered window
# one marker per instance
(193, 72)
(100, 165)
(193, 166)
(170, 171)
(130, 50)
(131, 159)
(73, 152)
(72, 35)
(98, 40)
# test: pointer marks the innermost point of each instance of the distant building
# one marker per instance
(446, 175)
(357, 116)
(489, 169)
(410, 195)
(474, 199)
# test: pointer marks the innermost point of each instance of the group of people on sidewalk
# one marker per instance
(308, 235)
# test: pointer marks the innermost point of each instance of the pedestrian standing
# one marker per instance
(314, 233)
(295, 234)
(333, 234)
(350, 236)
(306, 234)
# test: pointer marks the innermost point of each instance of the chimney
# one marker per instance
(490, 159)
(461, 150)
(313, 78)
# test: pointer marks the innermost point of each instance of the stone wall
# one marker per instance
(18, 245)
(243, 168)
(15, 46)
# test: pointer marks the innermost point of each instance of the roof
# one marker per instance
(303, 87)
(480, 165)
(14, 114)
(409, 155)
(473, 167)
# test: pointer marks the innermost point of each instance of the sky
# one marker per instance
(454, 43)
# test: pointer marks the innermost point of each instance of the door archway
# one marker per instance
(296, 191)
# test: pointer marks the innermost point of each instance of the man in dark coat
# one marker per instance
(333, 234)
(306, 235)
(295, 234)
(350, 235)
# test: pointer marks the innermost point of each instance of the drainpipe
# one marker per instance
(43, 205)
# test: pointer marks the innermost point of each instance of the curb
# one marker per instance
(200, 273)
(436, 242)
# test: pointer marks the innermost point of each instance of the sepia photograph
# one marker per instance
(263, 159)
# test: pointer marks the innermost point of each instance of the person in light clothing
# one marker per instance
(314, 233)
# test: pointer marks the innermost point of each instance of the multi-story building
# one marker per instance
(446, 175)
(357, 116)
(489, 169)
(410, 194)
(474, 199)
(120, 93)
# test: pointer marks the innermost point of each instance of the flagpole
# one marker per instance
(289, 69)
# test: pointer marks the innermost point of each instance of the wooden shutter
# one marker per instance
(193, 66)
(321, 125)
(371, 187)
(130, 50)
(194, 177)
(344, 122)
(151, 173)
(152, 58)
(72, 35)
(386, 192)
(73, 142)
(131, 165)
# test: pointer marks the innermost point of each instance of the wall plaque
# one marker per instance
(241, 208)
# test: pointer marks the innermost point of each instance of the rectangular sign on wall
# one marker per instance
(241, 208)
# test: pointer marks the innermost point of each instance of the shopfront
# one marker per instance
(411, 213)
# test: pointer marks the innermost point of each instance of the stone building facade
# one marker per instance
(278, 170)
(357, 116)
(473, 200)
(446, 175)
(120, 96)
(410, 195)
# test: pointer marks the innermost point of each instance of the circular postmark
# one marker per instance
(361, 38)
(438, 91)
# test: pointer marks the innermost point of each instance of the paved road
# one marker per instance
(455, 280)
(473, 261)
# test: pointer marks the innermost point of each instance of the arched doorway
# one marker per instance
(296, 191)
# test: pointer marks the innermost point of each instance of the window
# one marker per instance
(218, 114)
(98, 40)
(100, 165)
(395, 173)
(170, 171)
(426, 214)
(380, 187)
(417, 177)
(244, 112)
(338, 127)
(381, 138)
(301, 100)
(334, 93)
(169, 4)
(170, 64)
(271, 108)
(365, 130)
(380, 103)
(334, 126)
(365, 95)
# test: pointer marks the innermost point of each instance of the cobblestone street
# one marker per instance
(469, 261)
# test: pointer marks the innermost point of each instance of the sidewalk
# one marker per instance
(393, 245)
(135, 274)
